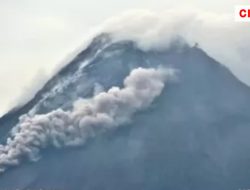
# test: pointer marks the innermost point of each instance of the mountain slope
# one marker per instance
(194, 136)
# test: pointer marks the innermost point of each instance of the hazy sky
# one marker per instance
(35, 36)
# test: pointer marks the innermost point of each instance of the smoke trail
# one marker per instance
(88, 117)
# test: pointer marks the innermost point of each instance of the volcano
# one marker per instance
(193, 136)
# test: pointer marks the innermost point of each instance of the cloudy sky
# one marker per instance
(36, 36)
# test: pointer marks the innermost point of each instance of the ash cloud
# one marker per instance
(88, 118)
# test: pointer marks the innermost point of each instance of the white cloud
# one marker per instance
(218, 34)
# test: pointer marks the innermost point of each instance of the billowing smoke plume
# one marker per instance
(88, 117)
